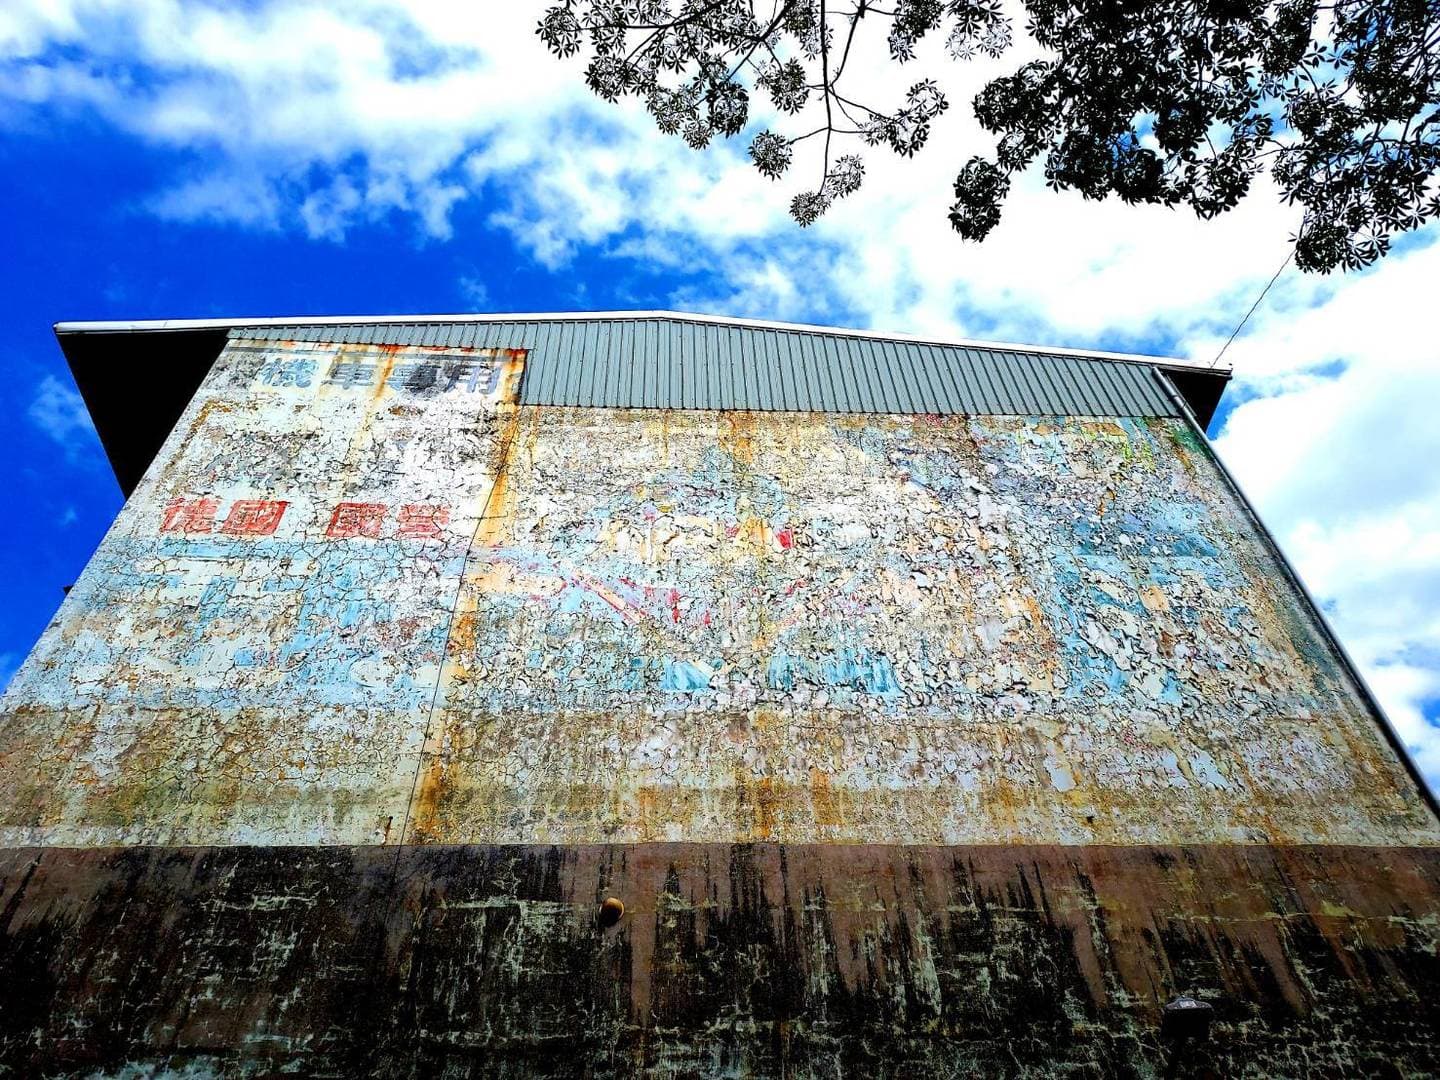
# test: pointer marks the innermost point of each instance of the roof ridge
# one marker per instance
(153, 325)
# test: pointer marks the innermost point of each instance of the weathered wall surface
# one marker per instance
(748, 960)
(914, 746)
(252, 653)
(696, 626)
(720, 627)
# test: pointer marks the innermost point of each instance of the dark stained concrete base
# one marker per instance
(763, 960)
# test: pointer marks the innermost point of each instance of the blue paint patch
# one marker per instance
(1115, 679)
(683, 676)
(846, 669)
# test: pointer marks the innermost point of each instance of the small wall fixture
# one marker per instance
(610, 911)
(1185, 1018)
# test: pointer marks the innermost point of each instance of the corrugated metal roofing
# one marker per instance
(663, 363)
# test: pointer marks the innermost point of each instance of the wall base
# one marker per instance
(755, 960)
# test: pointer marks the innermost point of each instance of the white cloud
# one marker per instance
(1343, 468)
(331, 113)
(235, 197)
(316, 115)
(59, 411)
(475, 292)
(9, 664)
(1400, 687)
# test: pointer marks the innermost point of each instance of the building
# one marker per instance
(931, 709)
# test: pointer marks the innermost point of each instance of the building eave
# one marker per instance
(160, 325)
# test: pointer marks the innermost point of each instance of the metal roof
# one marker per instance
(268, 321)
(677, 362)
(657, 360)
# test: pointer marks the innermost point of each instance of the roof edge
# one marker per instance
(161, 325)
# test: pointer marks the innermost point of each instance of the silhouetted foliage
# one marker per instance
(1163, 101)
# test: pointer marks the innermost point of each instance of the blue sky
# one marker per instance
(170, 159)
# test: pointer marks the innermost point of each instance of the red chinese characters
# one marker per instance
(189, 515)
(422, 521)
(352, 519)
(348, 520)
(254, 517)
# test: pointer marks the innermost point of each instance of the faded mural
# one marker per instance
(363, 597)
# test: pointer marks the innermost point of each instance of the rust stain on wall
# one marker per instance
(252, 654)
(364, 597)
(975, 629)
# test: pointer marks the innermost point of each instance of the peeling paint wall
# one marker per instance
(913, 745)
(709, 626)
(251, 655)
(363, 597)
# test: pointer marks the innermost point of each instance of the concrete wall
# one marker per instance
(809, 961)
(914, 746)
(676, 626)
